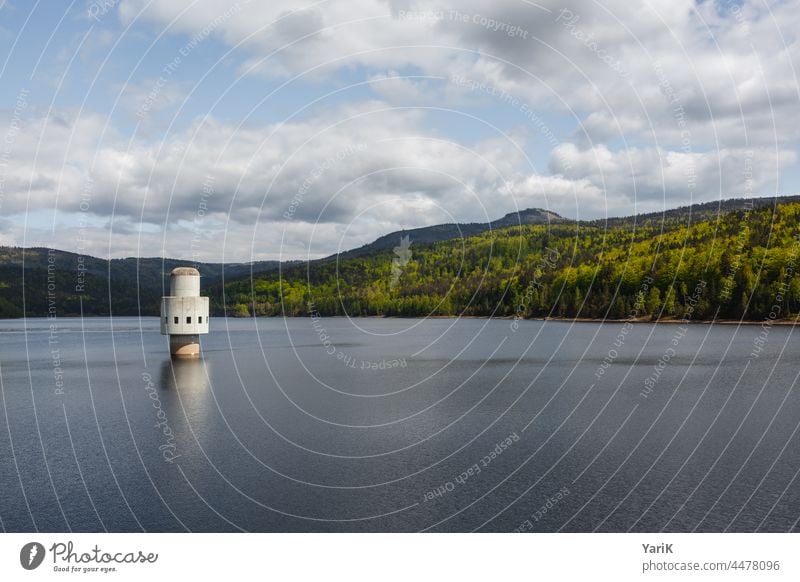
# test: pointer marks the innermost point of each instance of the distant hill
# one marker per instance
(735, 259)
(441, 232)
(134, 286)
(534, 263)
(685, 215)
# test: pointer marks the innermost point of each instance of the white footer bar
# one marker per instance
(400, 557)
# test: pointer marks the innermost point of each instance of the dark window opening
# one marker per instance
(166, 320)
(188, 320)
(199, 319)
(176, 321)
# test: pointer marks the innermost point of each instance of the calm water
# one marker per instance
(398, 425)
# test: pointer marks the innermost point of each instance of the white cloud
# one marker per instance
(144, 99)
(665, 179)
(676, 98)
(361, 163)
(347, 174)
(727, 65)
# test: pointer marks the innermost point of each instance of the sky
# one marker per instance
(239, 131)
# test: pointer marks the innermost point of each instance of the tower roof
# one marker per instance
(185, 272)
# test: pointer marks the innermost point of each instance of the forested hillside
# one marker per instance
(727, 260)
(732, 261)
(65, 283)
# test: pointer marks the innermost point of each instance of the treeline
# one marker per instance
(744, 255)
(743, 261)
(39, 281)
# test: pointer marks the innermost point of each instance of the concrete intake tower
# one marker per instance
(184, 314)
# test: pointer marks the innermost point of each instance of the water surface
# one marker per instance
(398, 425)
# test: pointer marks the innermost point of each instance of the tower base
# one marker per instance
(184, 346)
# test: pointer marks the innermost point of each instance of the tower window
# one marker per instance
(199, 319)
(166, 320)
(176, 321)
(189, 320)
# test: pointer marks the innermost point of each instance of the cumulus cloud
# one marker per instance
(670, 101)
(359, 168)
(725, 63)
(339, 180)
(663, 179)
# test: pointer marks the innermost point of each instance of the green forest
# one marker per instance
(36, 282)
(740, 263)
(728, 260)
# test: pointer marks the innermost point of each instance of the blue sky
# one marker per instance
(238, 131)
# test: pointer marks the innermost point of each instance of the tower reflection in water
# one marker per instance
(187, 398)
(187, 376)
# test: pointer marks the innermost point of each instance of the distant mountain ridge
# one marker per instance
(734, 259)
(38, 257)
(693, 213)
(133, 286)
(447, 231)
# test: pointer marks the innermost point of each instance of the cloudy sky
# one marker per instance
(225, 131)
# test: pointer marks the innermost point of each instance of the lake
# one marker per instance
(338, 424)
